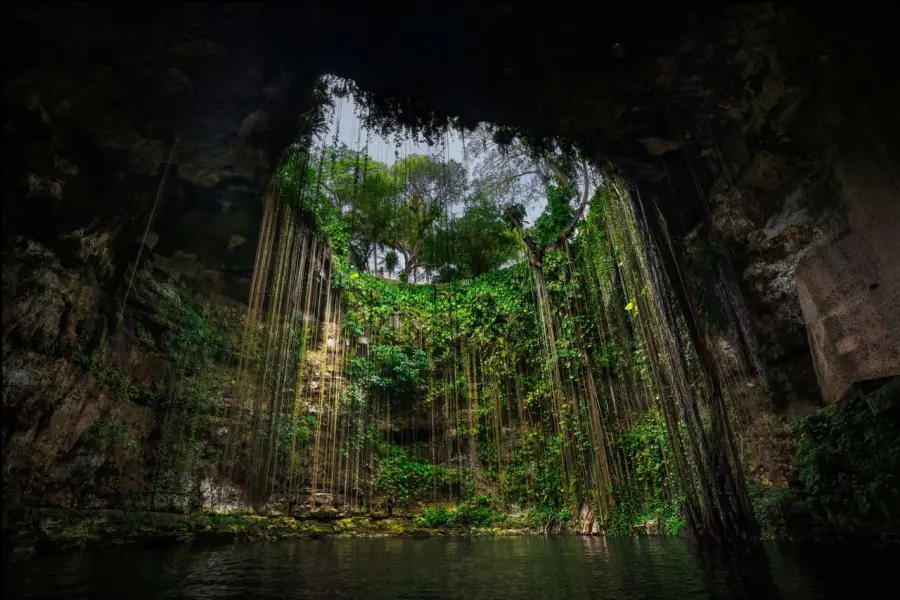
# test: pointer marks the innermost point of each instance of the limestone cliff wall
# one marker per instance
(849, 288)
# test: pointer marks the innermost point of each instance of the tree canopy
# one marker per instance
(429, 215)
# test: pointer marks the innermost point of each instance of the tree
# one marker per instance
(348, 191)
(516, 168)
(409, 212)
(430, 189)
(478, 241)
(376, 210)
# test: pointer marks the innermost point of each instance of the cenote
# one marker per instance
(472, 300)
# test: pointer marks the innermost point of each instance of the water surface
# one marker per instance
(495, 568)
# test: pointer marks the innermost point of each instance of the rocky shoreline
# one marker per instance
(35, 531)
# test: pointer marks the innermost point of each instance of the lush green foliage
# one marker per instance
(477, 242)
(493, 311)
(401, 478)
(496, 312)
(193, 343)
(514, 369)
(477, 512)
(434, 518)
(850, 465)
(534, 480)
(396, 371)
(407, 210)
(651, 493)
(200, 341)
(771, 505)
(304, 432)
(556, 215)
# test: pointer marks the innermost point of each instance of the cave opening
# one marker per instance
(530, 275)
(528, 399)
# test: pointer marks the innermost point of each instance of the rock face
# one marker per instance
(64, 421)
(588, 522)
(119, 119)
(850, 288)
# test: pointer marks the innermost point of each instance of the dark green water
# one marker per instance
(495, 568)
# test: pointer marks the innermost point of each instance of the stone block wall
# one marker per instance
(850, 288)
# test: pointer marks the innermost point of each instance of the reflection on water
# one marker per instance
(496, 568)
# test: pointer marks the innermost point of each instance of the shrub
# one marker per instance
(850, 465)
(435, 518)
(401, 478)
(478, 512)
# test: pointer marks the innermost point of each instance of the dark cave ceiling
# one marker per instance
(629, 82)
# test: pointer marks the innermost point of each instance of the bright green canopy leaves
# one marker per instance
(479, 241)
(424, 212)
(416, 213)
(556, 216)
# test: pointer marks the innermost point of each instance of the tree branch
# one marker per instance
(334, 196)
(529, 241)
(560, 174)
(585, 196)
(524, 173)
(565, 179)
